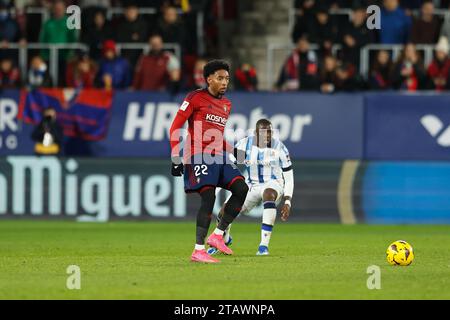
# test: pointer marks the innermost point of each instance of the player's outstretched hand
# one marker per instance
(177, 167)
(285, 212)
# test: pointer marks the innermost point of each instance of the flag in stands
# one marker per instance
(82, 113)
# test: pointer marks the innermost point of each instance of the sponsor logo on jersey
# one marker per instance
(266, 162)
(221, 121)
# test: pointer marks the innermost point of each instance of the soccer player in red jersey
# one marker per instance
(206, 163)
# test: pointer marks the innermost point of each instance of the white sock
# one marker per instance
(199, 247)
(265, 235)
(269, 215)
(226, 234)
(218, 232)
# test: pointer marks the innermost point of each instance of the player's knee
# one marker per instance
(240, 189)
(208, 197)
(270, 195)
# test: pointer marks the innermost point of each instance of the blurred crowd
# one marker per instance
(102, 63)
(332, 64)
(408, 23)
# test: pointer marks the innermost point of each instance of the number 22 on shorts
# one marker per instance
(201, 170)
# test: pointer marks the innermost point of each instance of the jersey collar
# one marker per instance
(215, 97)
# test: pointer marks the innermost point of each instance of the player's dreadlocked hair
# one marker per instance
(214, 65)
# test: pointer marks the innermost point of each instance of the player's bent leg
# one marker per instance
(227, 238)
(268, 221)
(226, 235)
(270, 194)
(253, 199)
(208, 197)
(239, 191)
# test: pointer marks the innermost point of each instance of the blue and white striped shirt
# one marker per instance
(264, 164)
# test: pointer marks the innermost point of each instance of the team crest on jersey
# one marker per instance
(225, 108)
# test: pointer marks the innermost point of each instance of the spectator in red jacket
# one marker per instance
(81, 71)
(438, 71)
(300, 70)
(158, 70)
(245, 78)
(9, 74)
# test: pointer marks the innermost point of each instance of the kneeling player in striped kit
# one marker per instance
(270, 178)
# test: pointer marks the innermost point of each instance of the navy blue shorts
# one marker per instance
(198, 176)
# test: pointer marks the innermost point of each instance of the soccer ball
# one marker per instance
(400, 253)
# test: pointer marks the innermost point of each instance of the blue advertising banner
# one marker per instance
(406, 192)
(407, 127)
(312, 126)
(15, 136)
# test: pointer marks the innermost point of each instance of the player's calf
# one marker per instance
(208, 197)
(239, 190)
(269, 215)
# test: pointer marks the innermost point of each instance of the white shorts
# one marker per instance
(255, 194)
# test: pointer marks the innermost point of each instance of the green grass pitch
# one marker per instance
(150, 260)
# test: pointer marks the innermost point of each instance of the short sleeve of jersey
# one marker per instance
(285, 159)
(187, 107)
